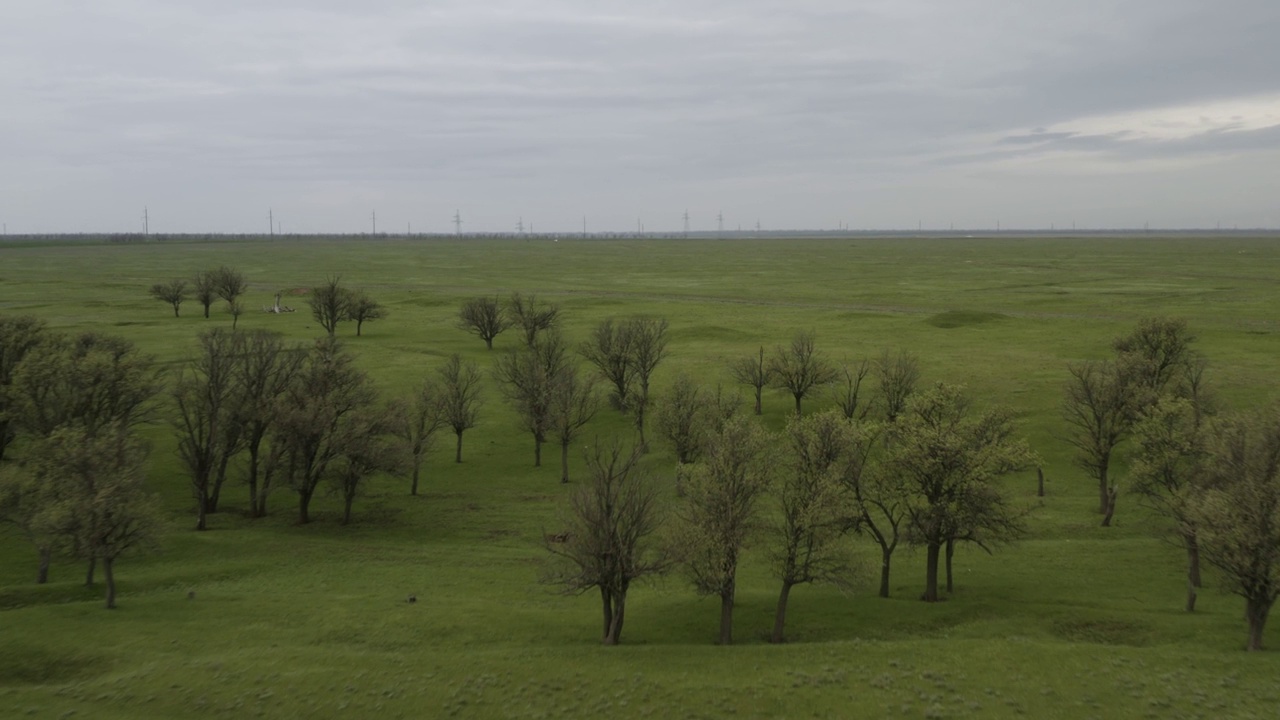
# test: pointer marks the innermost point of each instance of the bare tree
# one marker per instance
(18, 336)
(881, 501)
(609, 349)
(236, 308)
(648, 349)
(753, 371)
(264, 368)
(371, 454)
(329, 303)
(681, 418)
(1099, 409)
(847, 392)
(419, 423)
(574, 402)
(173, 292)
(814, 502)
(718, 515)
(322, 417)
(897, 373)
(947, 458)
(1236, 511)
(362, 309)
(483, 316)
(527, 376)
(205, 286)
(799, 368)
(606, 544)
(206, 419)
(531, 316)
(460, 397)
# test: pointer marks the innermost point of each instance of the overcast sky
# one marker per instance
(794, 114)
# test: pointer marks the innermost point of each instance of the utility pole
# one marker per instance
(375, 222)
(457, 223)
(584, 226)
(408, 228)
(271, 221)
(146, 221)
(757, 225)
(686, 223)
(520, 226)
(720, 222)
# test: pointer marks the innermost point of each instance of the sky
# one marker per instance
(795, 114)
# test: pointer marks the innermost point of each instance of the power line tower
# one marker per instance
(146, 221)
(720, 222)
(520, 226)
(686, 223)
(375, 222)
(457, 223)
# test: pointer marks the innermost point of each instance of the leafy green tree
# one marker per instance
(263, 370)
(799, 367)
(205, 418)
(822, 454)
(1235, 509)
(608, 541)
(948, 457)
(1167, 468)
(173, 292)
(719, 514)
(372, 453)
(91, 500)
(18, 336)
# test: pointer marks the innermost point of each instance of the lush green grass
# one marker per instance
(1076, 621)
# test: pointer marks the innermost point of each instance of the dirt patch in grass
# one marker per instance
(963, 318)
(1103, 632)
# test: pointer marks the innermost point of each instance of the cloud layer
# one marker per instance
(805, 114)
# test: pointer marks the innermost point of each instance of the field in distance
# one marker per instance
(268, 618)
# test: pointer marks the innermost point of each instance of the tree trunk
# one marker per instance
(537, 452)
(1256, 612)
(606, 603)
(88, 575)
(358, 324)
(1191, 597)
(726, 616)
(644, 446)
(797, 405)
(759, 390)
(346, 509)
(109, 574)
(619, 614)
(564, 462)
(42, 571)
(416, 467)
(1111, 508)
(217, 483)
(201, 514)
(253, 484)
(780, 617)
(206, 312)
(304, 502)
(886, 553)
(458, 455)
(1104, 490)
(951, 550)
(488, 343)
(175, 310)
(931, 573)
(1192, 541)
(1039, 482)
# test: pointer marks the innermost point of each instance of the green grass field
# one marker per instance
(1075, 621)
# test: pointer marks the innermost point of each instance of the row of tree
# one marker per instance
(77, 486)
(928, 477)
(330, 303)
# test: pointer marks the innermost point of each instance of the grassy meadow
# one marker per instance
(1075, 621)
